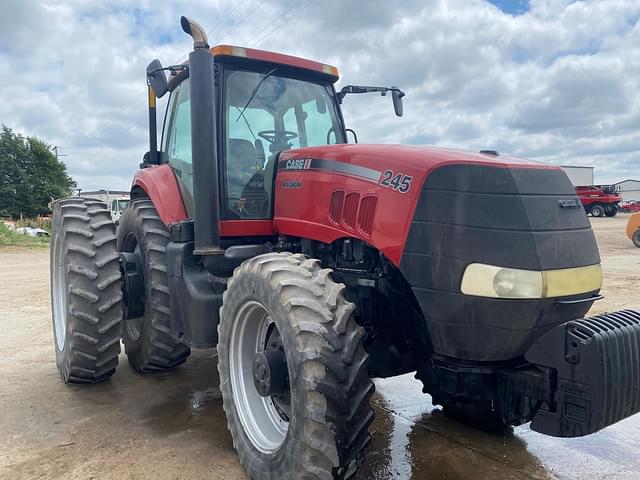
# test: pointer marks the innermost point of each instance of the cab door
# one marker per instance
(177, 142)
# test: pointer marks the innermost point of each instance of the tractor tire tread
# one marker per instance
(92, 278)
(333, 342)
(158, 348)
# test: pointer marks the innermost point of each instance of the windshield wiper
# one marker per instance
(255, 91)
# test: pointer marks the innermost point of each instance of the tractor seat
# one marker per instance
(245, 180)
(242, 163)
(242, 156)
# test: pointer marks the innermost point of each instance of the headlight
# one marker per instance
(499, 282)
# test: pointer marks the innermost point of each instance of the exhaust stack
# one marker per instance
(203, 142)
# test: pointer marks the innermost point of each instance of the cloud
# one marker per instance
(553, 80)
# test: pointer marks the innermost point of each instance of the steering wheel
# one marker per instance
(281, 135)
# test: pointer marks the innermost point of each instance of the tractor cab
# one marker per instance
(263, 108)
(232, 111)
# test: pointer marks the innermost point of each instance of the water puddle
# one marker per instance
(412, 439)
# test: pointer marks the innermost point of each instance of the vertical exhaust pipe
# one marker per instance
(203, 142)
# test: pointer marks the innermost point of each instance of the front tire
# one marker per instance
(316, 425)
(636, 238)
(86, 299)
(149, 342)
(597, 211)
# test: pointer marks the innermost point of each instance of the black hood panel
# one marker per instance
(511, 217)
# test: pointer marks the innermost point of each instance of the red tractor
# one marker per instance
(600, 200)
(314, 265)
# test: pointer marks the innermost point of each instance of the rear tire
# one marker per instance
(597, 211)
(150, 344)
(325, 427)
(611, 211)
(86, 298)
(636, 238)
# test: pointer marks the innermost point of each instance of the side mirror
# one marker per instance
(157, 78)
(396, 96)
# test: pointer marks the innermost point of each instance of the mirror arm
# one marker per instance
(396, 93)
(174, 69)
(347, 89)
(355, 137)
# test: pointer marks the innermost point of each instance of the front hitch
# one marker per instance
(596, 373)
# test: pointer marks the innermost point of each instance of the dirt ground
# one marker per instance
(172, 425)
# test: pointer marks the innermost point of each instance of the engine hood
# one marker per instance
(416, 161)
(458, 208)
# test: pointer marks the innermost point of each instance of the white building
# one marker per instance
(629, 190)
(579, 176)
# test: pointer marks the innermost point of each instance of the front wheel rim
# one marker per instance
(261, 419)
(59, 295)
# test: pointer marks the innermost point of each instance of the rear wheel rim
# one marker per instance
(133, 326)
(59, 294)
(262, 418)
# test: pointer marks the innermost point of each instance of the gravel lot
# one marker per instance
(172, 425)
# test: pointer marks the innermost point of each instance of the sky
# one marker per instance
(552, 80)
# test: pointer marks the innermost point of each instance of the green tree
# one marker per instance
(30, 175)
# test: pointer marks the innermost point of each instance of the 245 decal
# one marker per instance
(399, 181)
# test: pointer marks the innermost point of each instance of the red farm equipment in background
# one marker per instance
(600, 200)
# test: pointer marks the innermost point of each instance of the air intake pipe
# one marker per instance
(203, 142)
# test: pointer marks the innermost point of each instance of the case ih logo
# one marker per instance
(298, 164)
(569, 203)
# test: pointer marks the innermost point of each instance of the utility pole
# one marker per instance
(56, 149)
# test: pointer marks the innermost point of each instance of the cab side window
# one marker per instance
(178, 146)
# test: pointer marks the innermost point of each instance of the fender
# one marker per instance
(160, 185)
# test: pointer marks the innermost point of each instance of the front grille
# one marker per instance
(350, 209)
(335, 206)
(366, 214)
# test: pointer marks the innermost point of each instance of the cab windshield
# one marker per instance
(266, 113)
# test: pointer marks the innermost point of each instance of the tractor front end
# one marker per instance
(504, 265)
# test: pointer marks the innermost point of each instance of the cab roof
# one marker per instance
(273, 57)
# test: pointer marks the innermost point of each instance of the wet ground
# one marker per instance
(172, 425)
